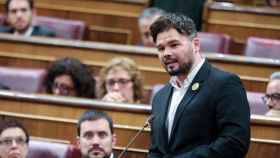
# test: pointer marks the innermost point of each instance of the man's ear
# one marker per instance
(196, 44)
(114, 139)
(78, 142)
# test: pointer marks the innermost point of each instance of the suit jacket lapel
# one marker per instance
(163, 115)
(199, 78)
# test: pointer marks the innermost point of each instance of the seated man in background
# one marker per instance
(69, 77)
(272, 96)
(14, 139)
(19, 15)
(121, 81)
(96, 137)
(148, 16)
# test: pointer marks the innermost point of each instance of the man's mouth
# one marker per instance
(170, 63)
(96, 151)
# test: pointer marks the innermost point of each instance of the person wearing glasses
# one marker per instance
(121, 81)
(14, 139)
(69, 77)
(272, 96)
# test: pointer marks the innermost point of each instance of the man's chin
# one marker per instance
(21, 28)
(174, 72)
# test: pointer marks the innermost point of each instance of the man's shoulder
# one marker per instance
(42, 31)
(221, 74)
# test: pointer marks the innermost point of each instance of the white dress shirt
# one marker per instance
(178, 94)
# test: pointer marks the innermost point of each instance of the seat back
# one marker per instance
(262, 47)
(214, 42)
(47, 149)
(21, 79)
(67, 29)
(257, 106)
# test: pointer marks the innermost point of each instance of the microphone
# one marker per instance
(146, 124)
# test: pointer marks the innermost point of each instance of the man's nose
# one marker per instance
(95, 140)
(167, 52)
(18, 13)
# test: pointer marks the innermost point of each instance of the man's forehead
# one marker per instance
(95, 125)
(19, 3)
(168, 36)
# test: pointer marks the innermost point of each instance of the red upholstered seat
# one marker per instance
(47, 149)
(262, 47)
(21, 79)
(214, 42)
(257, 106)
(52, 149)
(64, 28)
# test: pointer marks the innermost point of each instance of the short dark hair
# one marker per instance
(84, 82)
(92, 116)
(6, 124)
(7, 3)
(182, 23)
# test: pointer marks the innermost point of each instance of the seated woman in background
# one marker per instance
(69, 77)
(121, 81)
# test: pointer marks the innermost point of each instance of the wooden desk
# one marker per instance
(241, 22)
(51, 116)
(56, 117)
(114, 18)
(39, 52)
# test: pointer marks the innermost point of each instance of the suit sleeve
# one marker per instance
(233, 125)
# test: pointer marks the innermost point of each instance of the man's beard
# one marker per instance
(182, 70)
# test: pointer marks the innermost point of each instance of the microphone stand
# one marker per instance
(147, 122)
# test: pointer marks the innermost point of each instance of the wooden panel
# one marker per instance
(52, 122)
(261, 148)
(109, 13)
(112, 35)
(38, 52)
(241, 22)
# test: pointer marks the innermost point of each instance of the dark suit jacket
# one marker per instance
(211, 121)
(37, 31)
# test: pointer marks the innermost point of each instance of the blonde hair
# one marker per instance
(133, 71)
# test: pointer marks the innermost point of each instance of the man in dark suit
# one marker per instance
(19, 15)
(96, 136)
(202, 112)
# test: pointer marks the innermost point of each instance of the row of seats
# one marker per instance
(64, 28)
(31, 81)
(210, 42)
(255, 46)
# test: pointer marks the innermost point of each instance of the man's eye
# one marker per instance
(174, 45)
(102, 134)
(88, 135)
